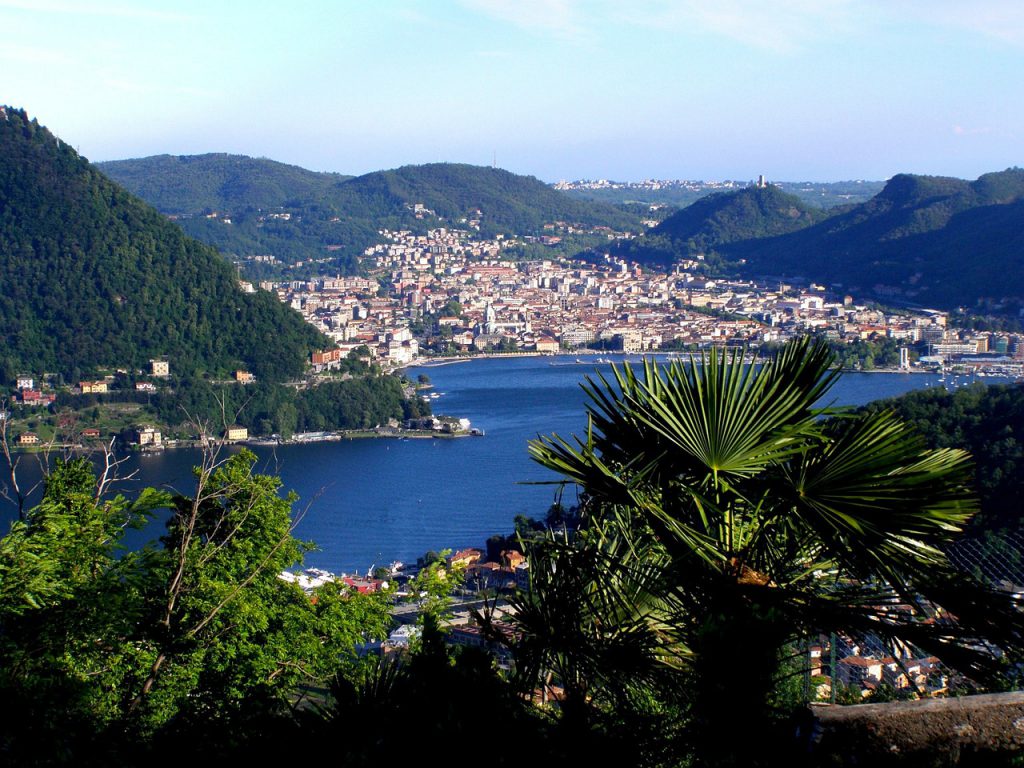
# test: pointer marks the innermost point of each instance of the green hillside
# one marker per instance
(509, 203)
(182, 184)
(986, 420)
(927, 240)
(267, 208)
(930, 240)
(718, 220)
(93, 277)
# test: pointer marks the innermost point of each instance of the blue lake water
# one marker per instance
(369, 502)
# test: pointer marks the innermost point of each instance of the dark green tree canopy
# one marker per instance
(727, 519)
(93, 277)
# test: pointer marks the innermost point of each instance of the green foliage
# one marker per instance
(868, 355)
(432, 587)
(264, 408)
(510, 204)
(345, 214)
(988, 421)
(95, 278)
(733, 497)
(401, 709)
(912, 237)
(105, 652)
(720, 219)
(218, 182)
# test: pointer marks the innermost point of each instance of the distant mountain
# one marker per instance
(93, 277)
(267, 208)
(714, 222)
(927, 240)
(218, 182)
(930, 240)
(509, 203)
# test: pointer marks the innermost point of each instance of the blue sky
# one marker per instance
(559, 89)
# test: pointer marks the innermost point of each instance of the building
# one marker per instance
(28, 438)
(546, 344)
(93, 387)
(512, 558)
(31, 397)
(244, 377)
(143, 436)
(858, 670)
(159, 368)
(235, 433)
(326, 360)
(25, 382)
(522, 572)
(465, 557)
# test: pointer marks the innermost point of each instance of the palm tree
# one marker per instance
(773, 523)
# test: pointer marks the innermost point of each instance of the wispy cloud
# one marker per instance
(782, 26)
(998, 19)
(785, 26)
(569, 20)
(108, 10)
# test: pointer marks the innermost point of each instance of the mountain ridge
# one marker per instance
(720, 219)
(931, 240)
(336, 218)
(217, 180)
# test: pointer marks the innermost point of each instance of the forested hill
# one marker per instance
(716, 221)
(218, 182)
(932, 240)
(94, 277)
(267, 208)
(929, 240)
(507, 202)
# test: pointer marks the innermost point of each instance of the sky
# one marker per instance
(816, 90)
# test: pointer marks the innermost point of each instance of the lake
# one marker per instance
(371, 501)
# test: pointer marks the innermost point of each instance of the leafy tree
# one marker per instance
(772, 524)
(593, 634)
(988, 421)
(104, 651)
(433, 586)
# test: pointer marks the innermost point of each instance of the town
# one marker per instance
(448, 292)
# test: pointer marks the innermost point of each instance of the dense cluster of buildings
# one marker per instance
(651, 185)
(455, 293)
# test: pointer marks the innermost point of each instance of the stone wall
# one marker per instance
(966, 731)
